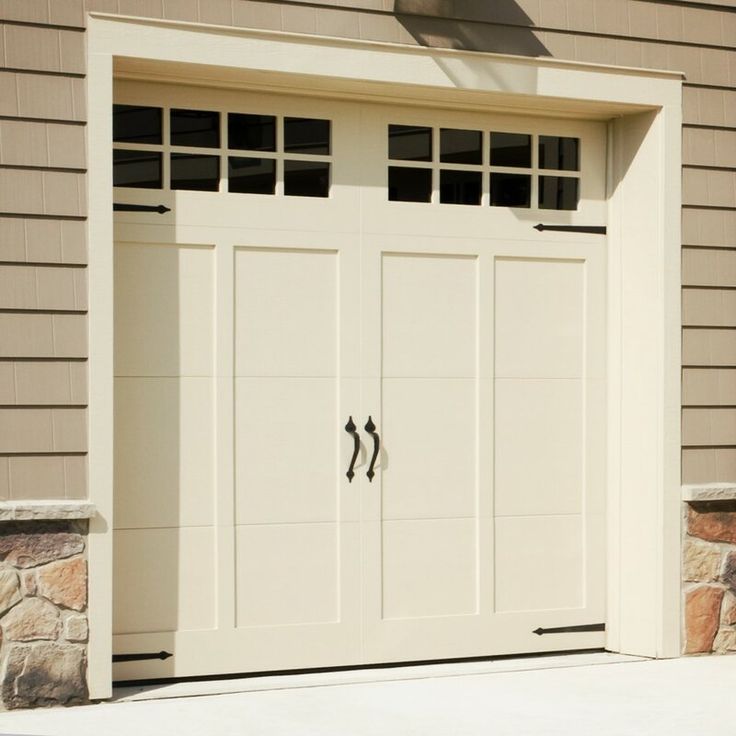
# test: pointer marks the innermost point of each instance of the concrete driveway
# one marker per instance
(591, 694)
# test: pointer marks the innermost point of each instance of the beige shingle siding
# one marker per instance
(43, 203)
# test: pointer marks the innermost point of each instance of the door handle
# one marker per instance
(350, 428)
(371, 429)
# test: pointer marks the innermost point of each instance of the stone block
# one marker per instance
(728, 611)
(31, 620)
(714, 522)
(76, 628)
(30, 582)
(702, 618)
(701, 561)
(9, 589)
(725, 641)
(32, 549)
(44, 674)
(729, 571)
(64, 583)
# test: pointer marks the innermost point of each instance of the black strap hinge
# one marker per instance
(122, 207)
(594, 229)
(139, 657)
(570, 629)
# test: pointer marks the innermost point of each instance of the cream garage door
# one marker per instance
(359, 399)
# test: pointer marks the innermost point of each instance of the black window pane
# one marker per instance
(460, 187)
(306, 178)
(409, 185)
(307, 135)
(195, 128)
(136, 124)
(511, 149)
(460, 146)
(511, 190)
(195, 172)
(558, 153)
(251, 132)
(251, 175)
(141, 169)
(558, 193)
(409, 143)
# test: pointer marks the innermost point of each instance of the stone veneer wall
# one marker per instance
(709, 575)
(43, 613)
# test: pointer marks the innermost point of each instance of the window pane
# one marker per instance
(558, 153)
(251, 132)
(460, 146)
(195, 128)
(409, 185)
(558, 193)
(195, 172)
(135, 124)
(409, 143)
(511, 149)
(251, 175)
(511, 190)
(306, 178)
(307, 135)
(460, 187)
(140, 169)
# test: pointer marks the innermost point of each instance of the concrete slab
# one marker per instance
(643, 697)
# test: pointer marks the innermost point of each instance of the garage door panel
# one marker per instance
(539, 562)
(286, 449)
(287, 574)
(430, 448)
(539, 318)
(539, 446)
(429, 315)
(175, 283)
(164, 452)
(286, 312)
(429, 568)
(164, 579)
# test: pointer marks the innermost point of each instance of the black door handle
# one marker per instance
(350, 428)
(371, 429)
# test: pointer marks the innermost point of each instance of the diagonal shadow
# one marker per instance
(498, 26)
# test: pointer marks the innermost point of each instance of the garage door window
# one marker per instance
(449, 166)
(213, 151)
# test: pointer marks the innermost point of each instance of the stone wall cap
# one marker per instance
(709, 492)
(54, 509)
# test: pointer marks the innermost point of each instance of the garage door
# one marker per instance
(359, 399)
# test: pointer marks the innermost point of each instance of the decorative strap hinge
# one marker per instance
(139, 657)
(594, 229)
(121, 207)
(570, 629)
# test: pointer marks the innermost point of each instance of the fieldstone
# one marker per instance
(76, 628)
(31, 550)
(725, 641)
(9, 590)
(32, 619)
(728, 611)
(714, 522)
(44, 674)
(702, 617)
(701, 561)
(65, 583)
(30, 584)
(729, 571)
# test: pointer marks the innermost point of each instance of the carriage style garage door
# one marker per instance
(359, 399)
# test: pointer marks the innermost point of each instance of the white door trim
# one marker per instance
(644, 264)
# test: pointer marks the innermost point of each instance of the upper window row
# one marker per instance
(202, 129)
(456, 146)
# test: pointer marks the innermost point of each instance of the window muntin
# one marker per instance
(208, 151)
(499, 168)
